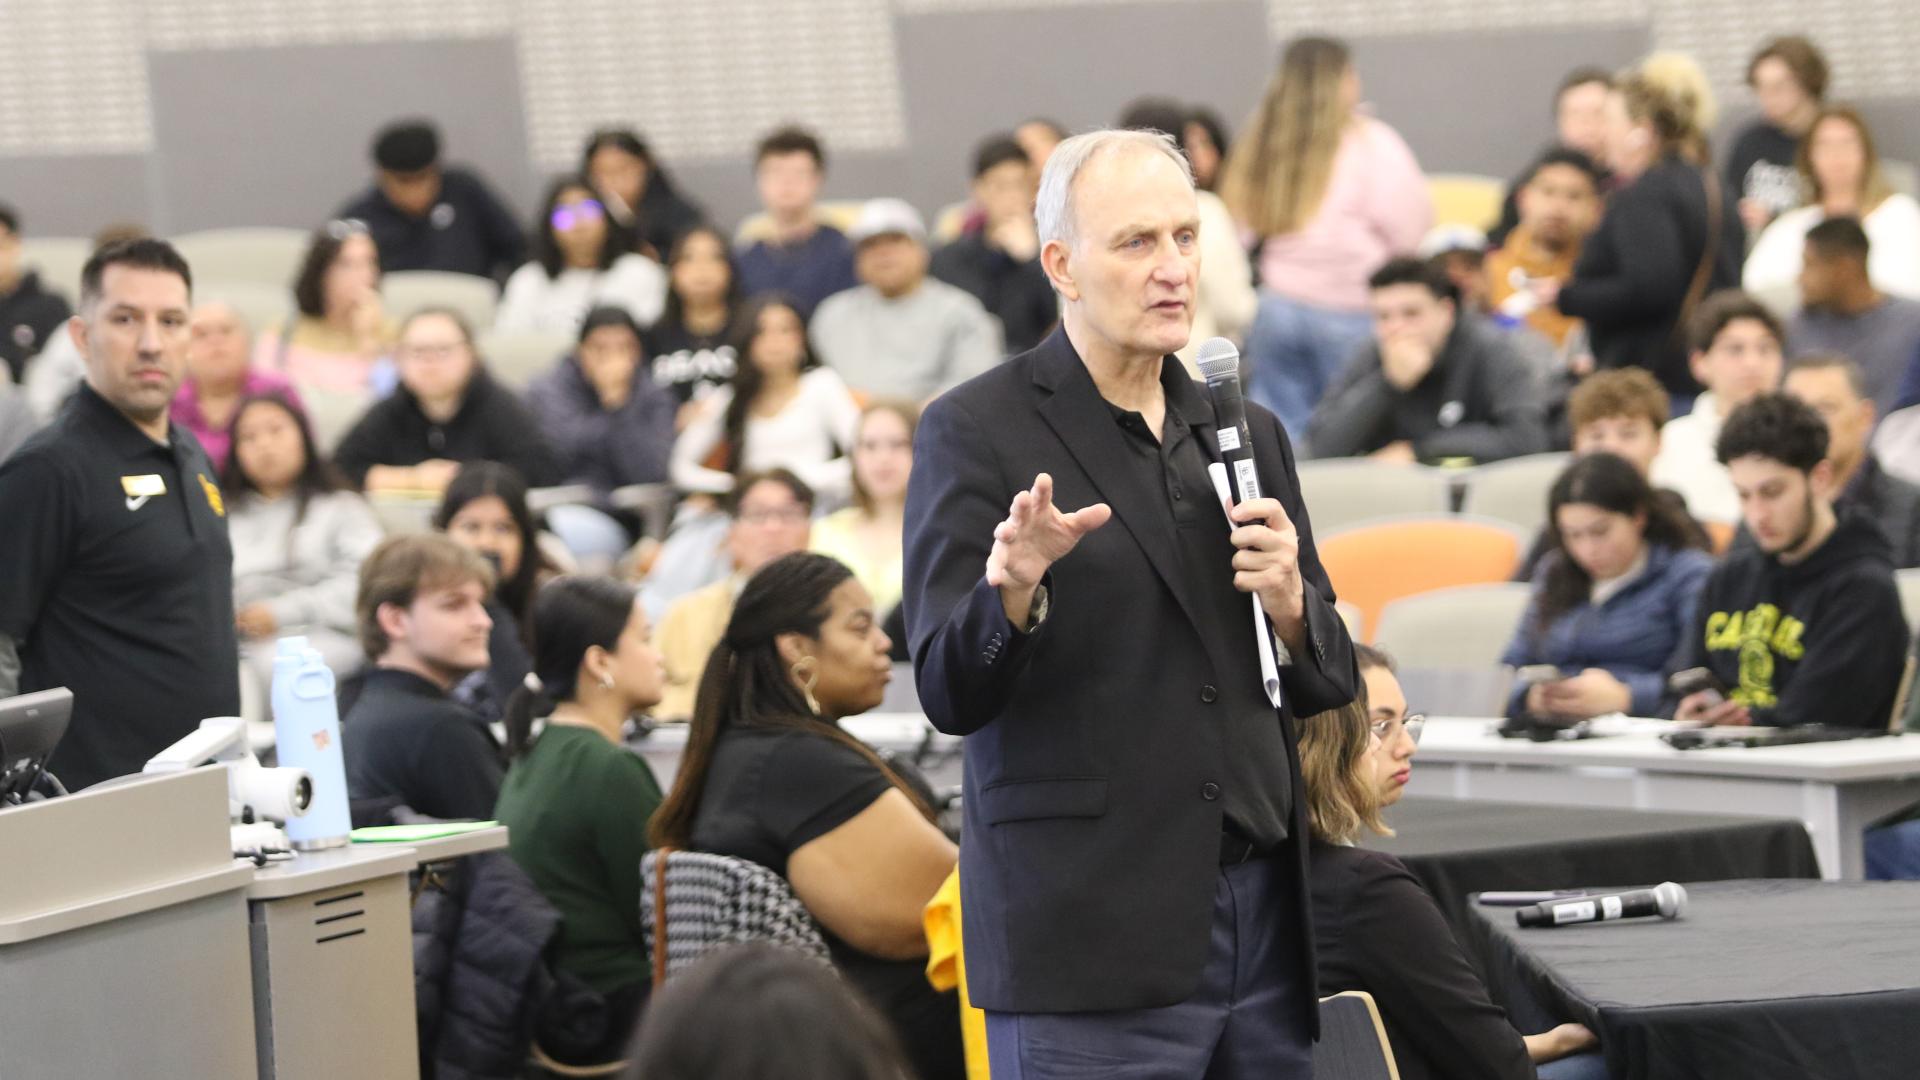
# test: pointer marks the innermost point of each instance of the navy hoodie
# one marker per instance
(1822, 641)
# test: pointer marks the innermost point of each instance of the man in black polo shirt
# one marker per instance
(424, 625)
(116, 576)
(425, 215)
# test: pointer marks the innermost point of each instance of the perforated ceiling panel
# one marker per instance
(73, 77)
(705, 80)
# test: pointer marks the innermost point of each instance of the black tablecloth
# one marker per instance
(1761, 980)
(1458, 847)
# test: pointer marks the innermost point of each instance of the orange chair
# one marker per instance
(1720, 534)
(1372, 565)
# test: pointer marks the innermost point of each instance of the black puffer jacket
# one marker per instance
(479, 970)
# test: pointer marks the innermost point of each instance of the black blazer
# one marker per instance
(1378, 931)
(1092, 826)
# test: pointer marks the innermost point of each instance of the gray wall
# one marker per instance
(266, 122)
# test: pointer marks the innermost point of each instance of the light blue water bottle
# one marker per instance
(306, 729)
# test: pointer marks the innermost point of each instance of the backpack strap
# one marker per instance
(660, 856)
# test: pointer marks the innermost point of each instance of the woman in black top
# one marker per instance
(1376, 929)
(770, 777)
(485, 511)
(637, 190)
(1633, 279)
(690, 346)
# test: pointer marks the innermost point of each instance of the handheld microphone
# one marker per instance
(1219, 364)
(1667, 900)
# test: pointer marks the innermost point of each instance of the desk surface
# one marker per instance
(1462, 739)
(885, 731)
(456, 846)
(313, 871)
(1457, 847)
(1759, 979)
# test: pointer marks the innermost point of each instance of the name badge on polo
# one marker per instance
(141, 488)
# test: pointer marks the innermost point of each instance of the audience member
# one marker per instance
(1835, 388)
(867, 535)
(1620, 412)
(782, 410)
(423, 626)
(770, 777)
(116, 574)
(446, 410)
(1788, 76)
(29, 311)
(485, 511)
(220, 375)
(1579, 124)
(1805, 626)
(579, 262)
(691, 353)
(1559, 203)
(998, 262)
(1432, 384)
(1333, 193)
(1737, 357)
(1396, 731)
(1459, 252)
(1377, 930)
(336, 348)
(637, 191)
(1205, 140)
(900, 333)
(1613, 599)
(1038, 136)
(771, 516)
(609, 422)
(298, 541)
(762, 1012)
(1846, 313)
(805, 258)
(576, 801)
(429, 216)
(1224, 299)
(1668, 236)
(1841, 171)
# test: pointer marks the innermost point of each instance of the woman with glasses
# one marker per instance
(1376, 929)
(782, 409)
(581, 260)
(1613, 599)
(337, 347)
(1396, 731)
(447, 410)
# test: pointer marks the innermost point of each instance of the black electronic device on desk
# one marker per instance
(1716, 737)
(30, 727)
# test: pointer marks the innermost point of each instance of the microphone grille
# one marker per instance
(1216, 358)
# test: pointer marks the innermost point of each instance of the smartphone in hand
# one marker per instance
(1685, 684)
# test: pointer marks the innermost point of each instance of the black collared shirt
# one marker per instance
(1256, 794)
(116, 581)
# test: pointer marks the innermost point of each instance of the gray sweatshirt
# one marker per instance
(913, 347)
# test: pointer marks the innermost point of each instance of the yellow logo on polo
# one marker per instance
(1757, 636)
(213, 495)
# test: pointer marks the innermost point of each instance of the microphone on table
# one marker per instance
(1219, 364)
(1667, 900)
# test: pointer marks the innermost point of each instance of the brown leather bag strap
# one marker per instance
(660, 915)
(1697, 289)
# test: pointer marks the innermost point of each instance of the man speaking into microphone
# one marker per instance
(1133, 870)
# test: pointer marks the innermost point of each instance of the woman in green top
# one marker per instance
(577, 801)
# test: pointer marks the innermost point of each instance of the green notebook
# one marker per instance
(413, 834)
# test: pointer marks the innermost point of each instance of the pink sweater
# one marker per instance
(1376, 207)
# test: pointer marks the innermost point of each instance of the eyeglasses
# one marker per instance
(444, 350)
(341, 228)
(585, 212)
(790, 515)
(1412, 724)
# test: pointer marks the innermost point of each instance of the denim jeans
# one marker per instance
(1294, 350)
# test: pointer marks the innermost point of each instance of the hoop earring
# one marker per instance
(807, 681)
